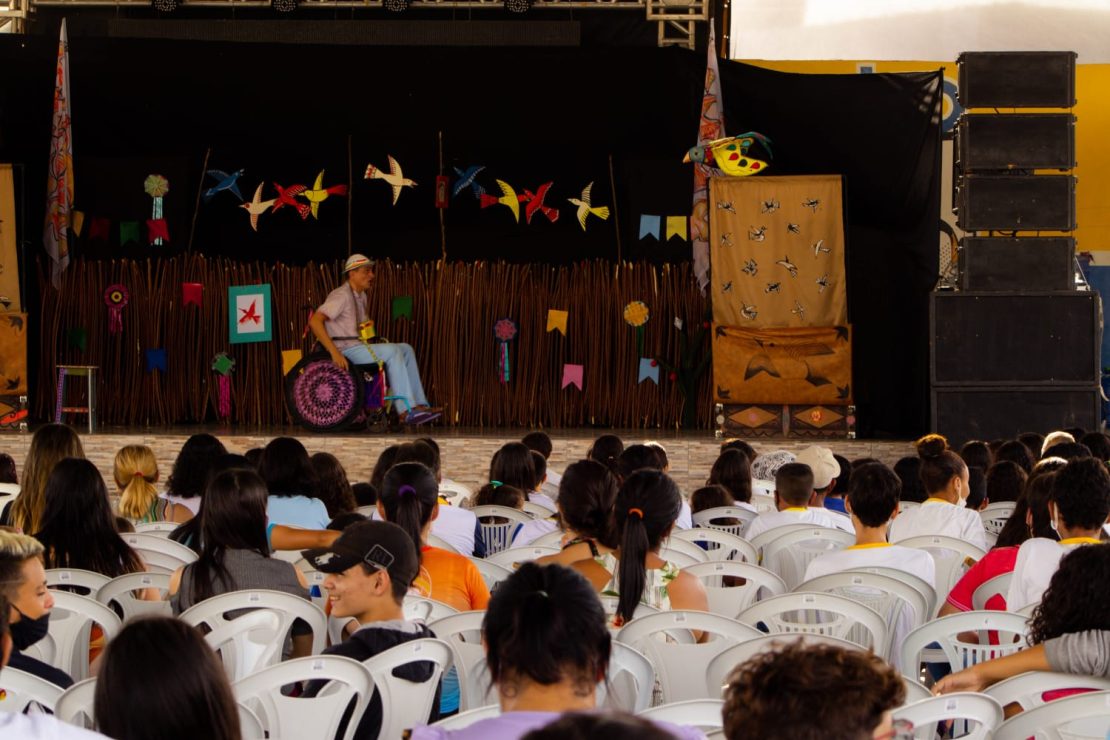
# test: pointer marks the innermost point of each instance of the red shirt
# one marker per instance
(996, 562)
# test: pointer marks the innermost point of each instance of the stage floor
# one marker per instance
(465, 452)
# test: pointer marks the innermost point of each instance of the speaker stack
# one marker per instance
(1016, 345)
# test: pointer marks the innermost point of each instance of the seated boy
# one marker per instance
(793, 496)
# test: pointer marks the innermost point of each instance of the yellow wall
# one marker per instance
(1092, 150)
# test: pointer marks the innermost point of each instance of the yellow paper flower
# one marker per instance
(636, 313)
(156, 186)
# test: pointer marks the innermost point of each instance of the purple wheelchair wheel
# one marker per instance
(322, 396)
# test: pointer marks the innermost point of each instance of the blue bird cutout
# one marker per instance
(224, 181)
(466, 179)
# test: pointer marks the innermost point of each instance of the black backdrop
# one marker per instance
(530, 115)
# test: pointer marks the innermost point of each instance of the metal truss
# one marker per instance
(13, 16)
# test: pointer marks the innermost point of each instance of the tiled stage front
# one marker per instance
(466, 453)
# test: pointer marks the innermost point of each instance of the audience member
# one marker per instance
(586, 498)
(977, 454)
(1097, 442)
(540, 442)
(365, 494)
(1033, 441)
(714, 496)
(1016, 452)
(191, 470)
(606, 450)
(50, 444)
(652, 456)
(136, 471)
(332, 486)
(794, 497)
(291, 482)
(536, 495)
(732, 472)
(496, 494)
(254, 456)
(343, 521)
(908, 470)
(743, 446)
(454, 525)
(1005, 482)
(513, 465)
(1054, 438)
(767, 464)
(835, 498)
(977, 498)
(600, 726)
(1070, 451)
(384, 462)
(825, 469)
(23, 589)
(9, 481)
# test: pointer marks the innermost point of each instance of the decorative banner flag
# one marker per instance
(155, 360)
(191, 293)
(128, 232)
(157, 230)
(402, 307)
(557, 320)
(649, 226)
(115, 298)
(78, 338)
(505, 330)
(572, 374)
(636, 315)
(676, 226)
(156, 186)
(649, 370)
(289, 358)
(222, 365)
(78, 222)
(59, 176)
(248, 312)
(711, 127)
(98, 229)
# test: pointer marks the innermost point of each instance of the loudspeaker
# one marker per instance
(1015, 141)
(1019, 338)
(997, 264)
(1016, 79)
(1016, 203)
(963, 414)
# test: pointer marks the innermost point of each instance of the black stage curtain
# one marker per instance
(615, 117)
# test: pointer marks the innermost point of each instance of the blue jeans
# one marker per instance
(400, 369)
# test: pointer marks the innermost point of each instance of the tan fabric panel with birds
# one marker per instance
(782, 366)
(777, 251)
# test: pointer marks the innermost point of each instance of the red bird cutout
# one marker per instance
(288, 197)
(250, 315)
(534, 203)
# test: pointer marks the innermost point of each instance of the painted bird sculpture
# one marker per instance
(394, 177)
(730, 154)
(467, 180)
(224, 181)
(508, 198)
(256, 206)
(534, 202)
(318, 194)
(585, 208)
(288, 197)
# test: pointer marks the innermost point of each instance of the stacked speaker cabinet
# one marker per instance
(1015, 346)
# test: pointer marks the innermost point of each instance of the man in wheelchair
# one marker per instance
(343, 328)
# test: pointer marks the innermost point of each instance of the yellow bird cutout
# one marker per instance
(256, 207)
(317, 194)
(585, 209)
(508, 198)
(394, 177)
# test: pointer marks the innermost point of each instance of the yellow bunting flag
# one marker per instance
(676, 226)
(557, 320)
(78, 222)
(289, 358)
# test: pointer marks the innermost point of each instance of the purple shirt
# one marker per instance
(515, 725)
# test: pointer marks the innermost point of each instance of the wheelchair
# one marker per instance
(323, 397)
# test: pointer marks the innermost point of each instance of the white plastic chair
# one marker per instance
(211, 612)
(158, 529)
(684, 546)
(610, 604)
(299, 717)
(315, 580)
(820, 614)
(434, 541)
(1027, 610)
(915, 691)
(719, 668)
(1051, 721)
(681, 559)
(509, 557)
(705, 714)
(159, 553)
(994, 516)
(86, 581)
(1012, 631)
(922, 586)
(791, 553)
(492, 573)
(763, 502)
(722, 545)
(538, 511)
(248, 643)
(75, 705)
(553, 540)
(469, 717)
(1027, 689)
(425, 609)
(121, 592)
(711, 518)
(21, 689)
(983, 711)
(463, 634)
(630, 681)
(499, 536)
(680, 668)
(988, 589)
(729, 601)
(453, 489)
(761, 539)
(407, 703)
(949, 553)
(66, 645)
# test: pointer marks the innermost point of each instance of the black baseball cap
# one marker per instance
(381, 545)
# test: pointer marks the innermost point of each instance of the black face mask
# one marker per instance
(26, 632)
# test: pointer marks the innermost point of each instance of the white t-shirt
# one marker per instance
(192, 503)
(531, 531)
(456, 527)
(936, 517)
(796, 515)
(41, 727)
(1037, 561)
(543, 500)
(685, 516)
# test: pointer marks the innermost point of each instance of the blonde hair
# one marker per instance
(15, 550)
(51, 444)
(136, 472)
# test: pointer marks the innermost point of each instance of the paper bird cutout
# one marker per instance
(98, 229)
(508, 198)
(256, 207)
(649, 226)
(572, 374)
(289, 358)
(250, 314)
(585, 208)
(155, 360)
(191, 293)
(224, 181)
(78, 222)
(157, 228)
(467, 179)
(395, 178)
(676, 226)
(128, 232)
(534, 203)
(402, 307)
(649, 370)
(288, 197)
(557, 320)
(318, 194)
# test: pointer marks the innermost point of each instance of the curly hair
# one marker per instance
(189, 476)
(785, 693)
(1076, 598)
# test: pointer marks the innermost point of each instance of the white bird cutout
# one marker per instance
(394, 177)
(585, 209)
(256, 206)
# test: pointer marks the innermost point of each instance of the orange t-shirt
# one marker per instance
(451, 578)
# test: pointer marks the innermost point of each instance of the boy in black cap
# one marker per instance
(370, 568)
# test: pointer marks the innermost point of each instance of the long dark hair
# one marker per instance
(233, 517)
(287, 469)
(939, 465)
(1033, 498)
(188, 533)
(78, 527)
(332, 486)
(908, 469)
(160, 673)
(51, 443)
(513, 466)
(647, 506)
(733, 471)
(1076, 599)
(409, 495)
(606, 449)
(385, 461)
(191, 468)
(587, 493)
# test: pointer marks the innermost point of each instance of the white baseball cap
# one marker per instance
(821, 461)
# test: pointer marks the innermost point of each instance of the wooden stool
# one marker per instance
(89, 371)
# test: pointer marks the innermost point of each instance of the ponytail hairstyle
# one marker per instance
(647, 506)
(606, 449)
(545, 624)
(408, 497)
(939, 465)
(732, 469)
(587, 493)
(510, 497)
(136, 472)
(513, 466)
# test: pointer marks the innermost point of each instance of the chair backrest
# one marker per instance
(988, 589)
(75, 705)
(791, 553)
(923, 587)
(454, 490)
(538, 511)
(434, 541)
(761, 539)
(949, 553)
(551, 539)
(509, 557)
(463, 634)
(74, 580)
(158, 529)
(315, 580)
(121, 592)
(425, 609)
(763, 502)
(705, 714)
(680, 668)
(1051, 721)
(713, 518)
(213, 612)
(687, 547)
(408, 703)
(820, 614)
(610, 604)
(994, 516)
(159, 553)
(248, 643)
(497, 534)
(681, 559)
(915, 690)
(729, 601)
(292, 717)
(983, 711)
(469, 717)
(630, 681)
(492, 573)
(721, 545)
(1027, 690)
(1012, 630)
(18, 689)
(66, 645)
(716, 673)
